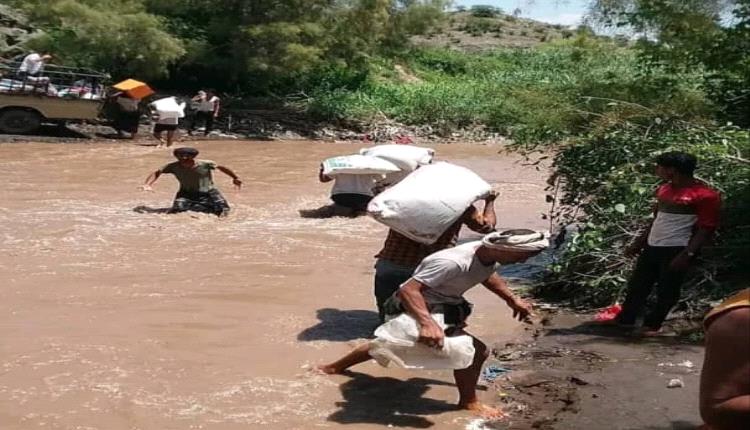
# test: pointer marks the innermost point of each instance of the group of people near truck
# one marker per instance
(420, 286)
(205, 106)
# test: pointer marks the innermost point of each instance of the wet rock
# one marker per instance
(675, 383)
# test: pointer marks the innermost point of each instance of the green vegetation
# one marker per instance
(485, 11)
(243, 46)
(541, 95)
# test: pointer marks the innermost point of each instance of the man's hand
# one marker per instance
(237, 183)
(521, 309)
(489, 198)
(431, 334)
(680, 263)
(145, 187)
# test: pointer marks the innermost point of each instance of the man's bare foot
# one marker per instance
(327, 369)
(482, 410)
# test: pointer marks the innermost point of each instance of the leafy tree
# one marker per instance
(712, 34)
(485, 11)
(118, 36)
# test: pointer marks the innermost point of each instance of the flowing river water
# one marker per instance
(115, 319)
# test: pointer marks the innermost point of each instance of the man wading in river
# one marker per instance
(197, 192)
(435, 293)
(686, 216)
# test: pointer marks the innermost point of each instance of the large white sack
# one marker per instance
(406, 157)
(358, 165)
(428, 201)
(169, 108)
(396, 343)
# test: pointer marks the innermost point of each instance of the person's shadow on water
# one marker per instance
(341, 326)
(149, 210)
(330, 211)
(388, 401)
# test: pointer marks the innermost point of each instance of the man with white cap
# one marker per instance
(437, 287)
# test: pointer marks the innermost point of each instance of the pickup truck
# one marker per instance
(58, 95)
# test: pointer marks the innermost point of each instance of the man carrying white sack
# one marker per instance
(400, 255)
(434, 294)
(350, 193)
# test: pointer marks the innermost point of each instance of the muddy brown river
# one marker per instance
(113, 319)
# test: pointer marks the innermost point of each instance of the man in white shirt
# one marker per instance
(32, 65)
(207, 109)
(437, 287)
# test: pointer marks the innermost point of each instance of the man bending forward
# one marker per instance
(437, 287)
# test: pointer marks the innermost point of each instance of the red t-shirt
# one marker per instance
(681, 210)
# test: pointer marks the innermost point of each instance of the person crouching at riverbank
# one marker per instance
(197, 191)
(432, 299)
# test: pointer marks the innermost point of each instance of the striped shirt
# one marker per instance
(681, 210)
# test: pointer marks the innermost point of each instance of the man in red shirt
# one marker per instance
(686, 216)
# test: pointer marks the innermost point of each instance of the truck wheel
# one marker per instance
(19, 121)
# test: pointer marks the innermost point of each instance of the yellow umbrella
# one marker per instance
(135, 89)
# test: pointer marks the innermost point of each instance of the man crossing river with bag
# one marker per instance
(432, 299)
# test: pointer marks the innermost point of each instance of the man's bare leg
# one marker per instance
(359, 355)
(157, 135)
(466, 382)
(170, 137)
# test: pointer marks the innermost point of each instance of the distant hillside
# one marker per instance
(465, 32)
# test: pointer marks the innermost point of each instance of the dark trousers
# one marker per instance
(652, 268)
(206, 117)
(388, 278)
(209, 202)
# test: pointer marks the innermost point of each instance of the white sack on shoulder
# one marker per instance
(169, 108)
(396, 344)
(428, 201)
(358, 165)
(406, 157)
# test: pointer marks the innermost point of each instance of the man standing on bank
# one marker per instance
(400, 255)
(686, 217)
(438, 286)
(197, 191)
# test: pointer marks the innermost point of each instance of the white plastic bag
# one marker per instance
(169, 108)
(357, 165)
(406, 157)
(396, 343)
(428, 201)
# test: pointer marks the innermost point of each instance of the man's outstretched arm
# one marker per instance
(150, 180)
(235, 179)
(499, 287)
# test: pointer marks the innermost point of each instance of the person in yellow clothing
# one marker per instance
(725, 379)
